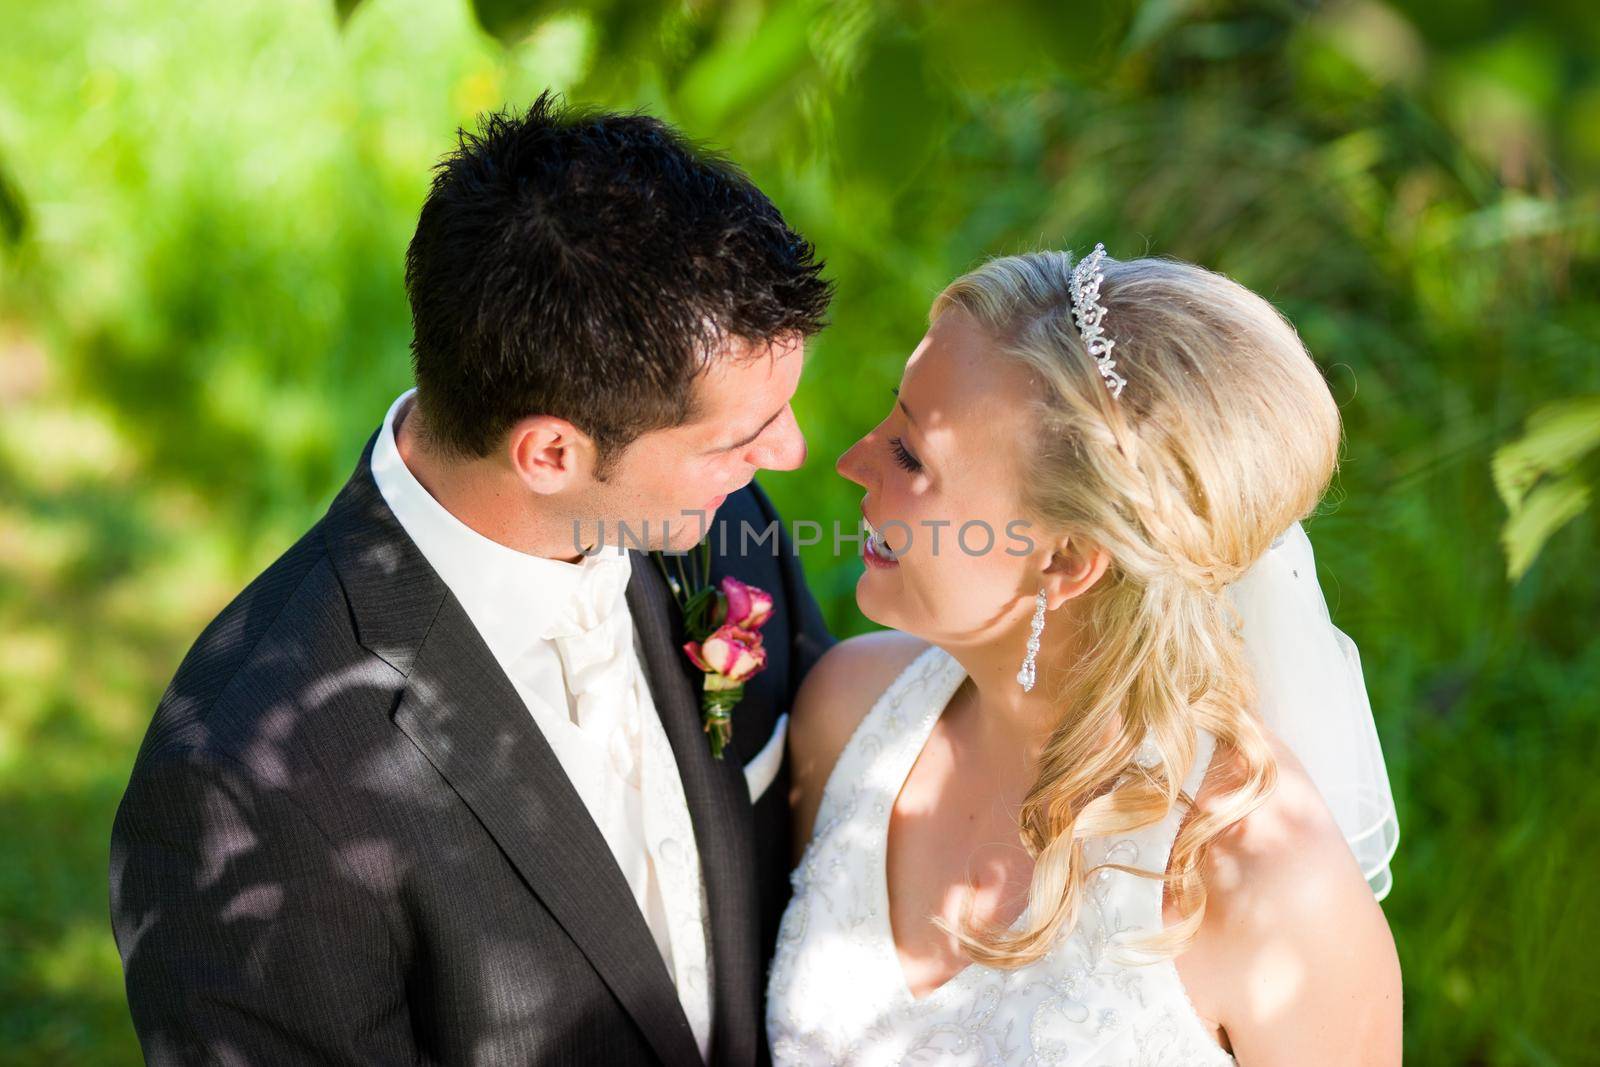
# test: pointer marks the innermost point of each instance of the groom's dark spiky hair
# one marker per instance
(587, 265)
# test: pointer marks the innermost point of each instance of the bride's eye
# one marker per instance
(902, 457)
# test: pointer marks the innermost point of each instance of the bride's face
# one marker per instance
(941, 474)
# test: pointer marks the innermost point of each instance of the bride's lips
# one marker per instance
(882, 557)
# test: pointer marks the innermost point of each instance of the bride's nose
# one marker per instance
(853, 464)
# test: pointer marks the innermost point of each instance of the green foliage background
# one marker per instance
(203, 212)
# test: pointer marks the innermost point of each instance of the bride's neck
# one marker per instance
(1004, 715)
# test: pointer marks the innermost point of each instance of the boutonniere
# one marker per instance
(724, 623)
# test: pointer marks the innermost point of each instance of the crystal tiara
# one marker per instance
(1090, 314)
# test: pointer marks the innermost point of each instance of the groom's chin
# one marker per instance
(685, 534)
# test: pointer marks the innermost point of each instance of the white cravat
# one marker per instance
(564, 636)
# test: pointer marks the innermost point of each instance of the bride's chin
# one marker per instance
(873, 603)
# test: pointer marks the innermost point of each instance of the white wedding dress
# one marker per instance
(837, 993)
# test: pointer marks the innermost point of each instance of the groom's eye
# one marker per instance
(748, 441)
(902, 457)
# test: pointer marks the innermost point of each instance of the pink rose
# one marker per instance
(732, 652)
(748, 607)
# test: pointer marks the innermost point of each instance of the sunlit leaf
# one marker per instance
(1537, 477)
(1519, 218)
(1557, 437)
(1543, 511)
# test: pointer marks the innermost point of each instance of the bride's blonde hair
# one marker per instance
(1224, 435)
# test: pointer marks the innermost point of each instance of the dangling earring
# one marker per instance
(1026, 675)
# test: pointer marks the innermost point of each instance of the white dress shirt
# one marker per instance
(564, 636)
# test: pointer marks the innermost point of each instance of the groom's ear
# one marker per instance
(549, 454)
(1074, 567)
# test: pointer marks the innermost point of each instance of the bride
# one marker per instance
(1161, 840)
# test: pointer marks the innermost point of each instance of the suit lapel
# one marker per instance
(719, 805)
(464, 715)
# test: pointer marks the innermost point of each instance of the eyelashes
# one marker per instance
(905, 459)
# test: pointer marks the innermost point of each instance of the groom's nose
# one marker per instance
(782, 447)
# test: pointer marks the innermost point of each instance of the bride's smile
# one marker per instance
(941, 477)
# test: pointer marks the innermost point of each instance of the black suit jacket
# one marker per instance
(345, 841)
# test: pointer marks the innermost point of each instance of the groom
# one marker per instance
(434, 787)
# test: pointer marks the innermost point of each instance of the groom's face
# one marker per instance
(678, 477)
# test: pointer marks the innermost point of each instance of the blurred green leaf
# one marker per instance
(894, 115)
(13, 211)
(1556, 438)
(743, 69)
(1536, 478)
(1543, 511)
(1154, 18)
(510, 20)
(980, 46)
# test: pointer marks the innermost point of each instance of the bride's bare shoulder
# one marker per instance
(1290, 840)
(1291, 929)
(843, 685)
(835, 696)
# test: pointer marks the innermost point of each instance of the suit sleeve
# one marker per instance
(808, 632)
(244, 937)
